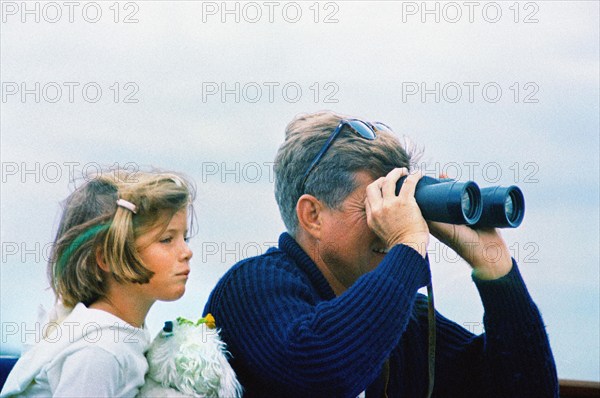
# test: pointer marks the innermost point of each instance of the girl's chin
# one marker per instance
(174, 295)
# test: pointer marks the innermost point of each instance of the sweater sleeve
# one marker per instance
(281, 335)
(511, 359)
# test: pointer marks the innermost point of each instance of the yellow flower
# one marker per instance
(209, 320)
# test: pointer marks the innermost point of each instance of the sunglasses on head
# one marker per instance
(363, 129)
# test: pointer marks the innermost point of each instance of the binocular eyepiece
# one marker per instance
(454, 202)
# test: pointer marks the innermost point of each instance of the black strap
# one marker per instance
(386, 377)
(431, 349)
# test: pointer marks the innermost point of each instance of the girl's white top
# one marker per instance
(89, 353)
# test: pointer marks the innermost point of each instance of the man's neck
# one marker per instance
(310, 247)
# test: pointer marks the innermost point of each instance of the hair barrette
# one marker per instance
(127, 205)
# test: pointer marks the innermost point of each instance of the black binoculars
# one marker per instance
(454, 202)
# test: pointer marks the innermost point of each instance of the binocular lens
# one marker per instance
(504, 207)
(447, 200)
(509, 207)
(467, 203)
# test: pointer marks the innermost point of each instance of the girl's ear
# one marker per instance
(100, 260)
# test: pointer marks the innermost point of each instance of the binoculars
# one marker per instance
(454, 202)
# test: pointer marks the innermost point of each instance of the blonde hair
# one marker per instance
(332, 180)
(92, 221)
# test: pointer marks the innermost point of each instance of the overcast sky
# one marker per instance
(498, 92)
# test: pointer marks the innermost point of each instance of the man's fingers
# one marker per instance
(445, 233)
(409, 186)
(389, 184)
(368, 210)
(374, 191)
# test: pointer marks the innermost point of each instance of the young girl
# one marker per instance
(121, 245)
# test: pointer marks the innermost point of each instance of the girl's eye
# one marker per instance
(166, 240)
(187, 239)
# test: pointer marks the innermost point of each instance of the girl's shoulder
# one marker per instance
(84, 337)
(87, 327)
(88, 330)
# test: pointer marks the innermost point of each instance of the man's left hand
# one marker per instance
(484, 249)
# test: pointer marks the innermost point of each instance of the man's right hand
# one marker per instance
(397, 219)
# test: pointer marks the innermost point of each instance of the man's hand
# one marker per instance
(397, 219)
(484, 249)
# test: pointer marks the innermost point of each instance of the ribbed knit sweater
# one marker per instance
(290, 336)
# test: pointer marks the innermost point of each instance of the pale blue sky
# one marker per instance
(541, 131)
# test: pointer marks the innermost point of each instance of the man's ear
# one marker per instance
(100, 259)
(309, 211)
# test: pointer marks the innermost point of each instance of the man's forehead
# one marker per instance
(362, 179)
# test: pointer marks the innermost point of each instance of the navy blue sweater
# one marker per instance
(290, 336)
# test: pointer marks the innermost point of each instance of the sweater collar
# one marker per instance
(289, 245)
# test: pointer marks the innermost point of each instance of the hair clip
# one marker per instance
(127, 205)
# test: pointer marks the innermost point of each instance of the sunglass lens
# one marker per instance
(363, 129)
(382, 127)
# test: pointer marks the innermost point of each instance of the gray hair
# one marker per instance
(333, 179)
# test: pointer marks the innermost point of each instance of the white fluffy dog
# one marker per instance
(189, 359)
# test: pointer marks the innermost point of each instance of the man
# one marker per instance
(334, 310)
